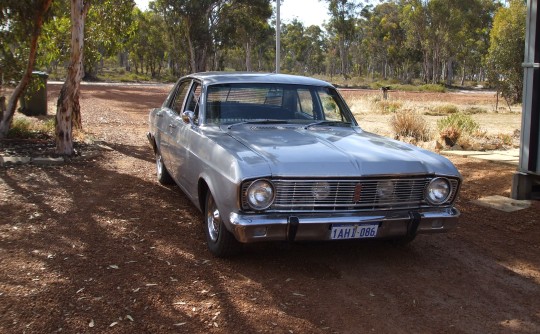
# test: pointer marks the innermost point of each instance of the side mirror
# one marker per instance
(188, 117)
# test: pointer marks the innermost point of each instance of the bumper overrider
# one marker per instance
(318, 226)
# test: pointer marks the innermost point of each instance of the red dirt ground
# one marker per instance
(98, 246)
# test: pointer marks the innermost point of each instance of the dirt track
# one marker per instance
(100, 247)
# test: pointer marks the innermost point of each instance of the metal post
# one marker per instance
(526, 182)
(278, 42)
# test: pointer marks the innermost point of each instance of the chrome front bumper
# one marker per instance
(317, 226)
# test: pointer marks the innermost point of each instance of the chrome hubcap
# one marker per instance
(159, 164)
(213, 219)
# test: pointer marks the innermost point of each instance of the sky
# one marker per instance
(309, 12)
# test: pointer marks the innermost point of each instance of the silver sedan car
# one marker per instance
(272, 157)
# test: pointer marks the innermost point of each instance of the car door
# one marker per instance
(182, 136)
(168, 119)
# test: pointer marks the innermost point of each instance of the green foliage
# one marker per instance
(407, 124)
(17, 23)
(24, 127)
(432, 88)
(452, 127)
(506, 52)
(20, 128)
(474, 111)
(445, 109)
(394, 43)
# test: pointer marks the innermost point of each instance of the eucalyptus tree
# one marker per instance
(294, 46)
(148, 45)
(243, 24)
(20, 27)
(68, 114)
(108, 28)
(205, 26)
(506, 51)
(342, 27)
(385, 38)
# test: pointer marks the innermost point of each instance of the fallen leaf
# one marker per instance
(91, 324)
(113, 266)
(129, 317)
(180, 324)
(113, 324)
(298, 294)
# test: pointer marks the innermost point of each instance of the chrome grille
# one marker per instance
(353, 194)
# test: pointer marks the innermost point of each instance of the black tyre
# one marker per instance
(221, 242)
(163, 175)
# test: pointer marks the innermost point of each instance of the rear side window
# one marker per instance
(180, 97)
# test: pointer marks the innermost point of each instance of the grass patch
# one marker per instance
(474, 111)
(25, 128)
(432, 88)
(386, 106)
(443, 110)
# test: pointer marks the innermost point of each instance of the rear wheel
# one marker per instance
(221, 242)
(163, 175)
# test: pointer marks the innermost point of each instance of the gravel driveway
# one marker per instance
(98, 246)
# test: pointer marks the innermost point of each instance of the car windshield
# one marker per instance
(312, 105)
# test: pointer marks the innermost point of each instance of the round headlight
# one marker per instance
(260, 194)
(320, 190)
(438, 191)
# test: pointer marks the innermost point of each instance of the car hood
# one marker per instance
(336, 151)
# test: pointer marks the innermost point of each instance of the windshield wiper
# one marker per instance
(326, 123)
(260, 121)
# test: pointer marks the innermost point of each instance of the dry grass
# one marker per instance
(408, 124)
(495, 126)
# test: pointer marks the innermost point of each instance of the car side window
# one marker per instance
(180, 97)
(331, 109)
(194, 99)
(306, 103)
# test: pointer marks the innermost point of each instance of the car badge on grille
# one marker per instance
(357, 192)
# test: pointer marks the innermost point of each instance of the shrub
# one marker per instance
(454, 126)
(443, 110)
(432, 88)
(386, 106)
(407, 124)
(475, 110)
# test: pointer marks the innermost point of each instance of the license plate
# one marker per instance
(356, 231)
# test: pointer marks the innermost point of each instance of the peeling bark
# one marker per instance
(68, 113)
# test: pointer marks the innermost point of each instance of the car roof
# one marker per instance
(212, 78)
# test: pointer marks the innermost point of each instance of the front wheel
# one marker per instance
(221, 242)
(163, 175)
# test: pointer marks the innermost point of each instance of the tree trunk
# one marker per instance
(9, 111)
(248, 56)
(68, 113)
(463, 75)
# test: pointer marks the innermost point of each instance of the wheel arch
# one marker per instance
(202, 191)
